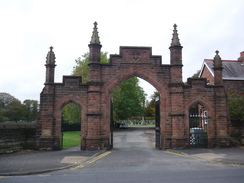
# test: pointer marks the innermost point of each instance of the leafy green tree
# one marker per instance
(11, 108)
(150, 107)
(14, 112)
(82, 68)
(71, 114)
(1, 114)
(6, 99)
(30, 110)
(236, 109)
(128, 100)
(196, 75)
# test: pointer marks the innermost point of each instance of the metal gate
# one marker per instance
(62, 131)
(157, 125)
(198, 129)
(111, 124)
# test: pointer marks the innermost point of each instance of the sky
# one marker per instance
(30, 27)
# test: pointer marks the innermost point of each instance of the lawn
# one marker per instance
(71, 139)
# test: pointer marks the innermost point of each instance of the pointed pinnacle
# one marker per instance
(217, 55)
(217, 60)
(175, 39)
(95, 37)
(50, 57)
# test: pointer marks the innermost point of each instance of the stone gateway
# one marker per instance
(94, 98)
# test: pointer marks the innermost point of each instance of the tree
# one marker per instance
(30, 110)
(71, 114)
(128, 100)
(196, 75)
(14, 111)
(128, 97)
(1, 114)
(6, 99)
(235, 106)
(82, 68)
(11, 108)
(150, 107)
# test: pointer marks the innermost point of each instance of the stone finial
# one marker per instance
(217, 60)
(95, 37)
(50, 57)
(175, 39)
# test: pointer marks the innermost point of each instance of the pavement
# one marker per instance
(36, 162)
(231, 156)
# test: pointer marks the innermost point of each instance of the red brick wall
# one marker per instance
(236, 86)
(208, 75)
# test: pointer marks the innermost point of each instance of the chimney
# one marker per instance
(241, 58)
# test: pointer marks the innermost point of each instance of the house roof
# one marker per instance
(232, 69)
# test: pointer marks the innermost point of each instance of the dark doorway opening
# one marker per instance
(198, 126)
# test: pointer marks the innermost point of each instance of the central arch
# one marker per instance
(125, 76)
(124, 66)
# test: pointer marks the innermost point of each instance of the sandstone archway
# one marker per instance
(94, 97)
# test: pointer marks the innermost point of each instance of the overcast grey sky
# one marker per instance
(30, 27)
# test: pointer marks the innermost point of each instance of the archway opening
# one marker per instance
(71, 125)
(133, 114)
(198, 126)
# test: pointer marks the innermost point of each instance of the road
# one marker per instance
(134, 159)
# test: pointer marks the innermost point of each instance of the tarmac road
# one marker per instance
(134, 159)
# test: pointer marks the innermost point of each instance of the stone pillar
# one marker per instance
(179, 139)
(221, 139)
(50, 67)
(46, 139)
(94, 138)
(221, 108)
(176, 58)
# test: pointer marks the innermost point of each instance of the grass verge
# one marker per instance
(71, 139)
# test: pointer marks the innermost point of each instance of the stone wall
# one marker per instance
(16, 136)
(234, 86)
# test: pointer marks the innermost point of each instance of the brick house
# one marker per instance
(233, 73)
